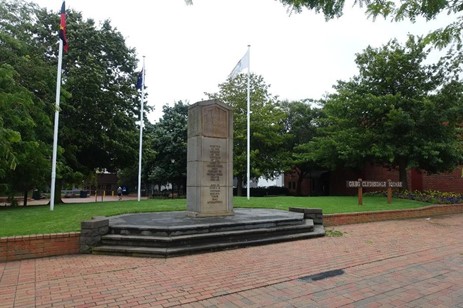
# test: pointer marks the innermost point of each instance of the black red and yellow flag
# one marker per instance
(62, 27)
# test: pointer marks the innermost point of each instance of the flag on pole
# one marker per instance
(139, 84)
(241, 65)
(63, 44)
(62, 27)
(247, 56)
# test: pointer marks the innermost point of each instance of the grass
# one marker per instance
(67, 217)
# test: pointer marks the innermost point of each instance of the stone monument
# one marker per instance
(210, 159)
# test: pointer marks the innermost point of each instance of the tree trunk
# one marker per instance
(300, 178)
(25, 198)
(239, 186)
(184, 186)
(403, 173)
(58, 186)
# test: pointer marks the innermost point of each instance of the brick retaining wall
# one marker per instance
(39, 245)
(362, 217)
(35, 246)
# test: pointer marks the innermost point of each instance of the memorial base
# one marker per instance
(205, 214)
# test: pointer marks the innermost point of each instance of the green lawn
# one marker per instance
(67, 217)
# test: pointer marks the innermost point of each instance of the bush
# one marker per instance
(431, 196)
(277, 191)
(264, 191)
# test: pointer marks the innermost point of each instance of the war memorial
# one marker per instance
(210, 221)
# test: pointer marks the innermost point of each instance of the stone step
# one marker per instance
(217, 236)
(318, 231)
(204, 228)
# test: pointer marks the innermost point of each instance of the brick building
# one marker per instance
(323, 182)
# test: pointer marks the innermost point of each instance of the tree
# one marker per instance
(267, 121)
(397, 112)
(25, 77)
(8, 136)
(448, 36)
(301, 125)
(99, 103)
(407, 9)
(168, 146)
(25, 155)
(99, 119)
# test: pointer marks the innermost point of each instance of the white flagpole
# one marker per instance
(249, 126)
(55, 131)
(141, 129)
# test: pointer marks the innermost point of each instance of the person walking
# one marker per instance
(119, 192)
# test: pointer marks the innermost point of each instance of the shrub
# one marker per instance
(264, 191)
(431, 196)
(277, 191)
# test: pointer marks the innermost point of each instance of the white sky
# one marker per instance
(189, 50)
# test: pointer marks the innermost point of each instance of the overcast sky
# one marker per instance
(189, 50)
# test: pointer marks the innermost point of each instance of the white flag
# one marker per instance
(241, 65)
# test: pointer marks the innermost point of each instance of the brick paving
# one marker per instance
(408, 263)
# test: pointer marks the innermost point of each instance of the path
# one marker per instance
(412, 263)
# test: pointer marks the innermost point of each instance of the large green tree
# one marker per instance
(26, 81)
(398, 10)
(267, 127)
(99, 104)
(168, 142)
(99, 74)
(396, 112)
(448, 36)
(24, 153)
(300, 126)
(8, 135)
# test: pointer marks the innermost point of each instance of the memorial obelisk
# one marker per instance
(210, 159)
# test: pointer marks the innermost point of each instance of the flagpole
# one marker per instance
(55, 131)
(141, 129)
(249, 125)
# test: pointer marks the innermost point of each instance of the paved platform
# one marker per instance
(180, 219)
(175, 233)
(408, 263)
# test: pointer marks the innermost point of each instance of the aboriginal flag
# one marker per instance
(62, 27)
(139, 84)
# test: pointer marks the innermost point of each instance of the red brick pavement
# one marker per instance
(408, 263)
